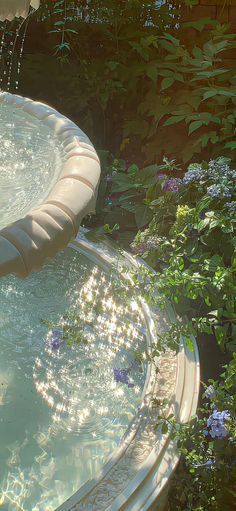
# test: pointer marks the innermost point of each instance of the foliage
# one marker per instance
(133, 70)
(206, 477)
(149, 87)
(191, 242)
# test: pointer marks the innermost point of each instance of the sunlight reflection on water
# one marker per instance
(63, 408)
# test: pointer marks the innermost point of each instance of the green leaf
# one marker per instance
(209, 74)
(171, 38)
(123, 182)
(173, 120)
(209, 94)
(197, 52)
(168, 46)
(194, 126)
(189, 343)
(221, 92)
(167, 82)
(164, 428)
(143, 215)
(220, 333)
(59, 23)
(152, 72)
(200, 24)
(230, 145)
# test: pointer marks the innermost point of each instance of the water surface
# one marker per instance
(63, 408)
(30, 161)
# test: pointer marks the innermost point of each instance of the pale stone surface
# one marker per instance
(10, 9)
(136, 476)
(26, 243)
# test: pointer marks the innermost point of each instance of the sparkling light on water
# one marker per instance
(30, 161)
(63, 408)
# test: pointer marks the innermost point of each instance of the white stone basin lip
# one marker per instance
(27, 242)
(137, 475)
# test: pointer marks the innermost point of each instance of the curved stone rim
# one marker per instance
(27, 242)
(137, 473)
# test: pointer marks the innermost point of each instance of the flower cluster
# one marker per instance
(218, 191)
(56, 338)
(218, 168)
(171, 184)
(231, 206)
(122, 376)
(217, 172)
(195, 173)
(215, 424)
(139, 247)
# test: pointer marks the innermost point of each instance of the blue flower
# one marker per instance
(214, 191)
(231, 206)
(194, 173)
(226, 192)
(209, 463)
(210, 392)
(215, 423)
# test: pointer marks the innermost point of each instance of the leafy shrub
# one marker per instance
(191, 243)
(132, 75)
(205, 480)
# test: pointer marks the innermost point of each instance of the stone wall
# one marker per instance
(222, 10)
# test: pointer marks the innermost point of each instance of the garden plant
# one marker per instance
(156, 94)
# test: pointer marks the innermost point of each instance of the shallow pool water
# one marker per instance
(69, 382)
(30, 162)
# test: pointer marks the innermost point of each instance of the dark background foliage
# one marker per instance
(136, 76)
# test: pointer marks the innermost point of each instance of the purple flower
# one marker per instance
(121, 376)
(190, 231)
(57, 338)
(161, 176)
(171, 185)
(140, 248)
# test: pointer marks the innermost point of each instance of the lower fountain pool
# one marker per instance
(69, 380)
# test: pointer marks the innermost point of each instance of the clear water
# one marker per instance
(30, 161)
(62, 408)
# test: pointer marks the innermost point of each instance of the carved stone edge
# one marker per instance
(26, 243)
(140, 468)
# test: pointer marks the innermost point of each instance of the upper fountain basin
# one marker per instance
(49, 175)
